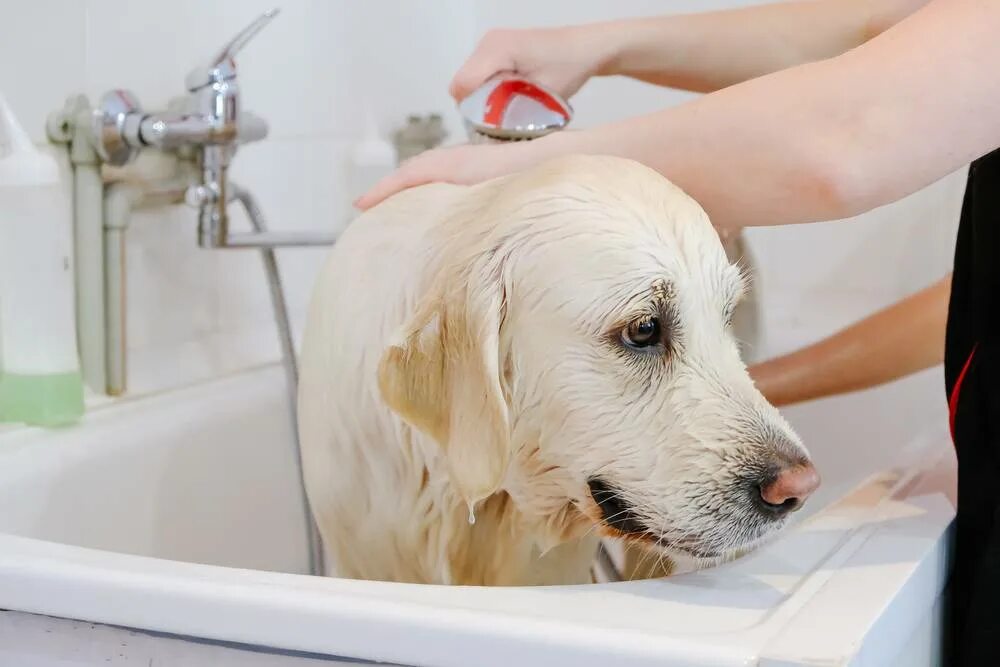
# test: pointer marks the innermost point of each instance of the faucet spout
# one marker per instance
(213, 222)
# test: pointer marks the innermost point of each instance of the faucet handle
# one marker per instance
(237, 43)
(222, 67)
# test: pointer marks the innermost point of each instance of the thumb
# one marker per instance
(479, 68)
(467, 79)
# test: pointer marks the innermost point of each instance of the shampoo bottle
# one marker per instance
(40, 380)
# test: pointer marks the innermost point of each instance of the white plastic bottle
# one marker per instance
(40, 380)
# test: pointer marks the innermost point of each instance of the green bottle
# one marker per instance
(41, 400)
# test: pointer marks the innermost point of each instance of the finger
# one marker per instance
(482, 65)
(471, 76)
(401, 179)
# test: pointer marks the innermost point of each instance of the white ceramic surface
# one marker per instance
(179, 513)
(195, 314)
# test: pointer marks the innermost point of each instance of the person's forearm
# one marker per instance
(893, 343)
(828, 139)
(820, 141)
(711, 50)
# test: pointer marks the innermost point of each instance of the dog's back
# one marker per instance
(363, 471)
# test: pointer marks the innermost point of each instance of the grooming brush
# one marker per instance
(509, 108)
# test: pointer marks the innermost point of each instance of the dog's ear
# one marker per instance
(444, 377)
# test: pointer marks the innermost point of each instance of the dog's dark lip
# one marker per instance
(615, 512)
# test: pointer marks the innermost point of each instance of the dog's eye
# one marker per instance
(642, 333)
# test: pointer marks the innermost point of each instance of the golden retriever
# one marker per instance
(494, 376)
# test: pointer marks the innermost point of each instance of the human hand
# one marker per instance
(465, 164)
(559, 58)
(562, 59)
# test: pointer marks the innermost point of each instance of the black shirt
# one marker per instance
(972, 378)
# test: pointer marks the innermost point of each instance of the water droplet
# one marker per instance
(472, 514)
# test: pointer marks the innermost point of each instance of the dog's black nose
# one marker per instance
(785, 489)
(615, 510)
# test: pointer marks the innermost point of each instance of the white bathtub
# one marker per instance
(180, 514)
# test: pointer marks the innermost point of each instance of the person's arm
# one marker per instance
(902, 339)
(819, 141)
(712, 50)
(699, 52)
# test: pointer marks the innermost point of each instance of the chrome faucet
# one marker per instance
(211, 122)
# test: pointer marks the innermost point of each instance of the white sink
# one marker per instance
(181, 514)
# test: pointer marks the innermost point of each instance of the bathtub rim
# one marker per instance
(53, 579)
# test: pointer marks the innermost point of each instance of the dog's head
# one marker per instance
(577, 354)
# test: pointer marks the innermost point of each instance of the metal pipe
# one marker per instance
(279, 240)
(213, 197)
(256, 217)
(88, 258)
(119, 200)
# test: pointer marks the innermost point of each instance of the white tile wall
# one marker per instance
(313, 74)
(41, 57)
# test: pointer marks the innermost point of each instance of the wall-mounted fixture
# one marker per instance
(198, 135)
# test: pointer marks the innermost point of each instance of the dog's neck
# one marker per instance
(528, 533)
(506, 547)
